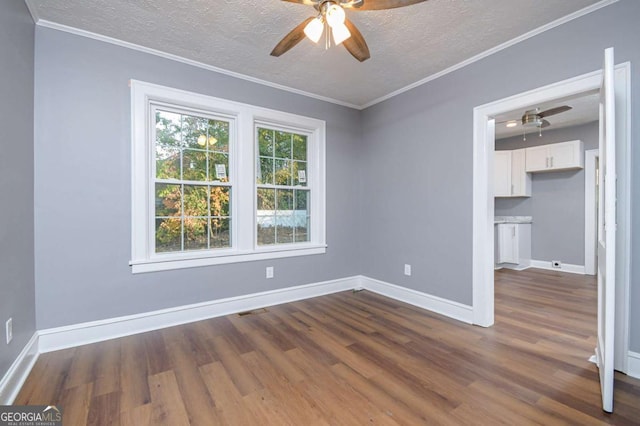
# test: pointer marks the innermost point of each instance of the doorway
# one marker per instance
(483, 201)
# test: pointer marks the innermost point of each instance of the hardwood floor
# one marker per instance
(352, 359)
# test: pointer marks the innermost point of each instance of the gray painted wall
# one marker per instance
(417, 159)
(17, 298)
(557, 199)
(83, 180)
(399, 181)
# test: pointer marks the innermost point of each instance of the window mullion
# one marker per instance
(245, 183)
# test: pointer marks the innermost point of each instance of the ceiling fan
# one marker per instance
(331, 16)
(534, 118)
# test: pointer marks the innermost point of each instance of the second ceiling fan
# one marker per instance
(331, 16)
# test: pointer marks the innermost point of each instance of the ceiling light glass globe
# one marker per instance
(335, 15)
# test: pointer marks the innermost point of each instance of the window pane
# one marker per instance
(195, 200)
(283, 172)
(196, 233)
(285, 219)
(220, 233)
(167, 162)
(218, 167)
(265, 172)
(194, 131)
(300, 173)
(266, 216)
(219, 130)
(194, 164)
(220, 197)
(266, 230)
(168, 125)
(302, 216)
(283, 144)
(265, 142)
(299, 147)
(168, 198)
(168, 234)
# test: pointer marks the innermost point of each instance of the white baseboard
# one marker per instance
(633, 365)
(13, 380)
(566, 267)
(426, 301)
(90, 332)
(96, 331)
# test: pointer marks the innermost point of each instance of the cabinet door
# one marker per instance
(537, 158)
(520, 179)
(565, 155)
(502, 174)
(508, 243)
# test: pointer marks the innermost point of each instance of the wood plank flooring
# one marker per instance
(351, 359)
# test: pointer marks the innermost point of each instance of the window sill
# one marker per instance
(199, 260)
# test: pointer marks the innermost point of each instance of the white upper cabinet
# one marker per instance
(502, 174)
(510, 176)
(520, 179)
(554, 157)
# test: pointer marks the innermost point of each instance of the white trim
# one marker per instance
(242, 118)
(425, 301)
(143, 49)
(480, 56)
(566, 267)
(96, 331)
(590, 157)
(505, 45)
(633, 364)
(15, 377)
(483, 147)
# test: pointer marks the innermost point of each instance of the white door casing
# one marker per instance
(483, 199)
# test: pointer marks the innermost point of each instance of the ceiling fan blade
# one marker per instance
(356, 44)
(545, 123)
(290, 40)
(554, 111)
(383, 4)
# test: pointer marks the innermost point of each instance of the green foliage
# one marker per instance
(191, 216)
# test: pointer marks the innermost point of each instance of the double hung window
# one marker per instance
(215, 181)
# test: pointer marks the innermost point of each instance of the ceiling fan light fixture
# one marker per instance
(340, 33)
(314, 29)
(335, 15)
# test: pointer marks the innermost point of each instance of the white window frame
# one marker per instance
(242, 149)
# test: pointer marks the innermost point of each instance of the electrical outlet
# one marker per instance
(556, 264)
(9, 330)
(269, 271)
(407, 269)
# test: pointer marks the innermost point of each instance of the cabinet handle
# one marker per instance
(551, 161)
(512, 190)
(513, 232)
(547, 164)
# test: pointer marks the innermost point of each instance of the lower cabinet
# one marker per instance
(513, 245)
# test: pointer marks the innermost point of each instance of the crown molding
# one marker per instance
(99, 37)
(83, 33)
(489, 52)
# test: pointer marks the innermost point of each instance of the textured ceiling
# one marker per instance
(407, 44)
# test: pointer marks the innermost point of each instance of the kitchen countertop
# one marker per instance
(513, 219)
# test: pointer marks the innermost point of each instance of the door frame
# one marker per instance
(483, 201)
